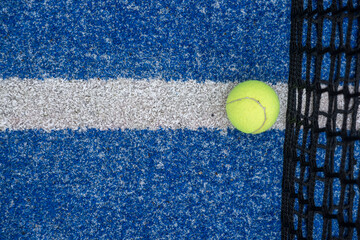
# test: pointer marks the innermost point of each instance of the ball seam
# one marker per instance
(239, 99)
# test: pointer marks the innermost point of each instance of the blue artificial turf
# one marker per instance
(169, 39)
(140, 184)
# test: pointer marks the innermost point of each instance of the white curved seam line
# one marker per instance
(257, 103)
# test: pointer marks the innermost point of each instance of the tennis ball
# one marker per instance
(252, 107)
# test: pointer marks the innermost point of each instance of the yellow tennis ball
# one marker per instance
(252, 107)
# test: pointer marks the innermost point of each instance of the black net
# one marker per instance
(322, 150)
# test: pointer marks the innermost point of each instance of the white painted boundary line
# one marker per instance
(54, 104)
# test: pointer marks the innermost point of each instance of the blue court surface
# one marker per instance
(160, 180)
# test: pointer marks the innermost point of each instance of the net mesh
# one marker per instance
(322, 150)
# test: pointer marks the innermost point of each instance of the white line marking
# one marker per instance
(54, 104)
